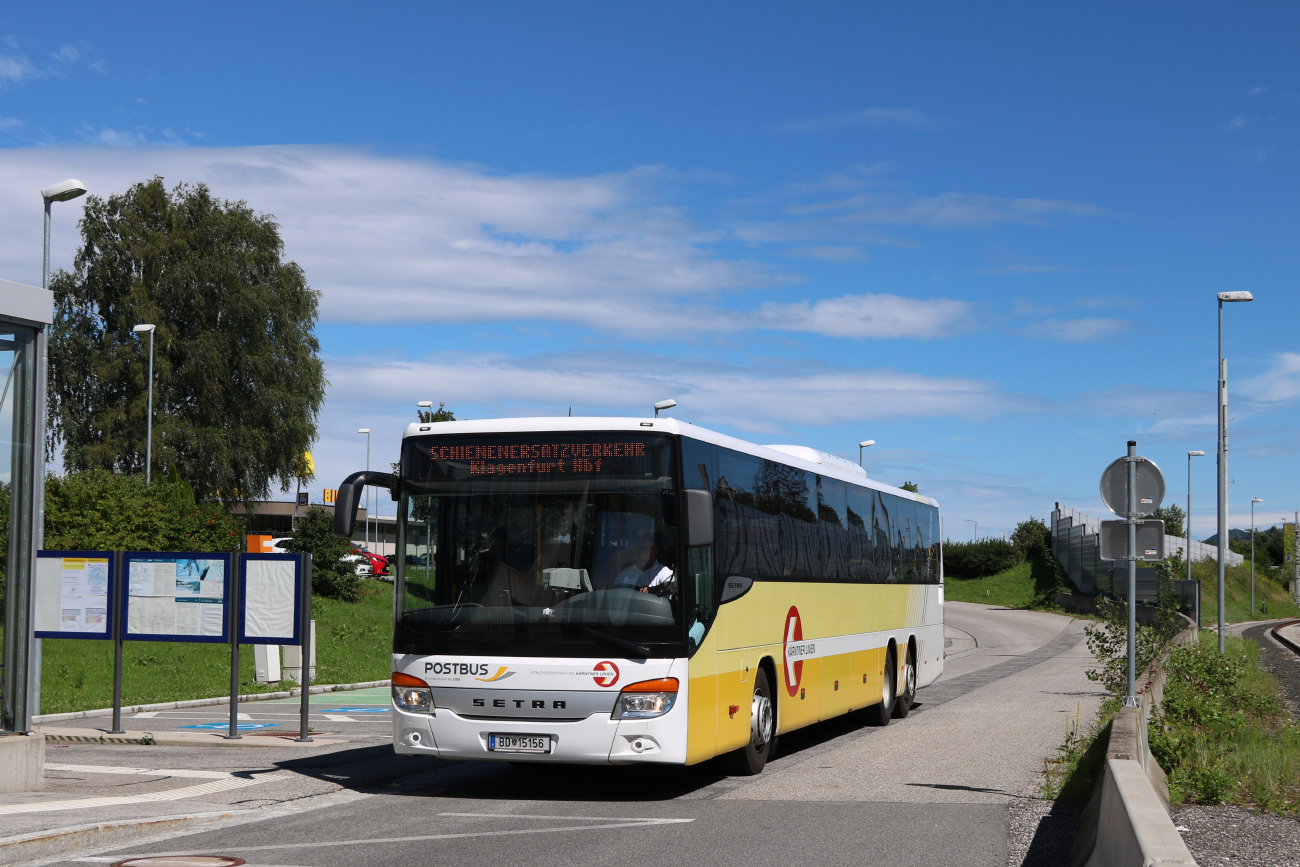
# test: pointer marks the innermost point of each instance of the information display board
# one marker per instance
(177, 597)
(74, 594)
(270, 598)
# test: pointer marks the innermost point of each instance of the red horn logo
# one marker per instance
(606, 673)
(793, 667)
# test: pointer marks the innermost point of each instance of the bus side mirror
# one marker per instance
(345, 509)
(699, 518)
(349, 499)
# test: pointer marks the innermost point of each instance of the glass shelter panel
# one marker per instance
(18, 430)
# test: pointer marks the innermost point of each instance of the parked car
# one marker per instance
(365, 563)
(375, 564)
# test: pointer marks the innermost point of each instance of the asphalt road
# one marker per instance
(932, 789)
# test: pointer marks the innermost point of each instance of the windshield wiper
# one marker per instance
(639, 649)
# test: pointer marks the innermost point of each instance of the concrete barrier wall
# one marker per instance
(1127, 820)
(22, 762)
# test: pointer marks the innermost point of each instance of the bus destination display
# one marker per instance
(544, 458)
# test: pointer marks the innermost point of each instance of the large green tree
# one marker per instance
(238, 381)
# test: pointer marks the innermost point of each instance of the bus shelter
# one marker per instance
(25, 315)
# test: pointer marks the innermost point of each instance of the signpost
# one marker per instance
(1132, 487)
(188, 597)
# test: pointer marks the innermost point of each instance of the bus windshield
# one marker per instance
(552, 544)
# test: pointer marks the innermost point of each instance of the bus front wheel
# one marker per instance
(750, 759)
(880, 714)
(907, 695)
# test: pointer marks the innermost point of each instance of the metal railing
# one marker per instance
(1076, 546)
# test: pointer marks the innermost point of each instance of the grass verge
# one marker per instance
(1236, 588)
(354, 644)
(1069, 776)
(1221, 734)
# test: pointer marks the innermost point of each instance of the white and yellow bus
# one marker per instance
(612, 590)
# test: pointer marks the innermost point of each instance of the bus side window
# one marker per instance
(700, 471)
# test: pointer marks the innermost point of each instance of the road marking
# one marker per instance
(147, 772)
(610, 823)
(146, 714)
(110, 859)
(338, 717)
(221, 785)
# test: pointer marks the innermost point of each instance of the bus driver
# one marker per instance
(646, 571)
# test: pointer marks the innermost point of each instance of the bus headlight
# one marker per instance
(411, 694)
(649, 698)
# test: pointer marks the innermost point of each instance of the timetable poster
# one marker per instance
(83, 594)
(176, 596)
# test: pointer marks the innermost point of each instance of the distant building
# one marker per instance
(275, 518)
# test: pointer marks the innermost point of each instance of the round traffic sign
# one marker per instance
(1150, 487)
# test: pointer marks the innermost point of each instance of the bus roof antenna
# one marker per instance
(664, 404)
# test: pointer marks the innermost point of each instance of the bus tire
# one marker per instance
(750, 759)
(907, 695)
(879, 714)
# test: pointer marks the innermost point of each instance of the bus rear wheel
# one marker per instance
(907, 695)
(751, 758)
(880, 714)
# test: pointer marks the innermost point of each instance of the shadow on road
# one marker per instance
(377, 768)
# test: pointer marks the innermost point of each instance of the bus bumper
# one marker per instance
(596, 740)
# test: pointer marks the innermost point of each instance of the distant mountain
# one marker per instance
(1235, 534)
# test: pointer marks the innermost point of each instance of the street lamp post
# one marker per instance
(148, 441)
(366, 431)
(64, 191)
(1188, 529)
(1224, 297)
(664, 404)
(865, 444)
(977, 526)
(1252, 553)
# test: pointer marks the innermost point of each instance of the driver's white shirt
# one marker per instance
(657, 574)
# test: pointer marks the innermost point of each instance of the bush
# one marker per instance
(331, 575)
(96, 510)
(1221, 733)
(979, 559)
(1032, 535)
(1108, 643)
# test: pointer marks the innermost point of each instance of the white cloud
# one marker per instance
(764, 404)
(948, 210)
(867, 118)
(875, 316)
(392, 239)
(598, 383)
(829, 253)
(1281, 383)
(1238, 123)
(16, 68)
(389, 239)
(1075, 330)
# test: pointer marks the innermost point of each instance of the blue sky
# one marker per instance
(988, 238)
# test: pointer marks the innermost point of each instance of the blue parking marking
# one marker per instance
(243, 726)
(371, 709)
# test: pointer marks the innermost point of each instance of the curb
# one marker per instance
(186, 739)
(206, 702)
(1288, 643)
(43, 844)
